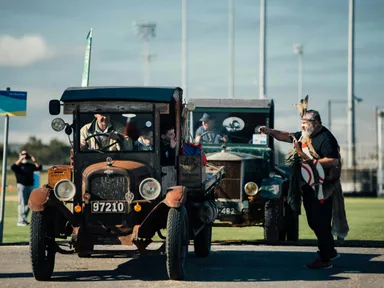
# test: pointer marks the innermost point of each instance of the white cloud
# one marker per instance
(23, 51)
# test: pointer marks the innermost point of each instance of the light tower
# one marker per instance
(145, 30)
(298, 49)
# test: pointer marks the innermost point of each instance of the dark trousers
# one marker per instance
(319, 217)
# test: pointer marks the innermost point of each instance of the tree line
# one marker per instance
(55, 152)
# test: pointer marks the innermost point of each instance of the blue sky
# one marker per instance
(42, 50)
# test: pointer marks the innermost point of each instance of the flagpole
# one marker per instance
(87, 61)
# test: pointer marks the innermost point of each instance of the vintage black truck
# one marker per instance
(117, 190)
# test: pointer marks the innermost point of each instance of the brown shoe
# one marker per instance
(319, 264)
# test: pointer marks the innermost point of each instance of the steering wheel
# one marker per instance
(101, 134)
(206, 132)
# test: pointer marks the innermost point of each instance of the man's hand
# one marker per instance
(264, 130)
(172, 143)
(33, 159)
(84, 145)
(115, 136)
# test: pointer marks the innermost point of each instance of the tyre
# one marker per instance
(202, 242)
(176, 243)
(41, 246)
(271, 220)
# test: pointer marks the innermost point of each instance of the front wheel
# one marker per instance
(271, 220)
(177, 242)
(41, 247)
(203, 242)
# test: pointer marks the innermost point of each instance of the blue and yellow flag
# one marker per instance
(13, 103)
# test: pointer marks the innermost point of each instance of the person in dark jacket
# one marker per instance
(24, 169)
(167, 145)
(319, 214)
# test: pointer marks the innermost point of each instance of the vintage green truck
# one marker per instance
(254, 191)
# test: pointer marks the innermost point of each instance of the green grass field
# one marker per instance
(365, 217)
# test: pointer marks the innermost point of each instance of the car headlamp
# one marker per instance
(58, 124)
(251, 188)
(64, 190)
(150, 189)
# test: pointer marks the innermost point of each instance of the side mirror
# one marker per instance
(54, 107)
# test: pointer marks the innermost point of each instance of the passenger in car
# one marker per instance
(167, 145)
(145, 141)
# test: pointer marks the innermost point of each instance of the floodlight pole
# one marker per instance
(231, 50)
(351, 104)
(146, 30)
(298, 49)
(379, 152)
(262, 80)
(184, 71)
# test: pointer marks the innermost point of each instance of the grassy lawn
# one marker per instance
(365, 217)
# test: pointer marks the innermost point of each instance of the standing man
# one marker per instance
(24, 168)
(328, 218)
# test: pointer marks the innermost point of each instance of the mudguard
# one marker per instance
(271, 188)
(176, 196)
(39, 198)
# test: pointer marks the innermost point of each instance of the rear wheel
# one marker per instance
(203, 241)
(41, 246)
(176, 243)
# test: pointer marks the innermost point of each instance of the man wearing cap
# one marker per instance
(206, 132)
(324, 218)
(24, 169)
(102, 124)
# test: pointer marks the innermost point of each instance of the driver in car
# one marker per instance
(206, 132)
(113, 135)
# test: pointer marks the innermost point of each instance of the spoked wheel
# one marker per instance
(203, 241)
(42, 247)
(177, 242)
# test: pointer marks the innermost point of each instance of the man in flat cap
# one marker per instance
(206, 133)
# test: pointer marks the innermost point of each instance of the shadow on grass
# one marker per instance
(225, 266)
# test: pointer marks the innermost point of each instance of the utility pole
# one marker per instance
(298, 49)
(262, 80)
(184, 51)
(380, 116)
(231, 55)
(146, 30)
(351, 104)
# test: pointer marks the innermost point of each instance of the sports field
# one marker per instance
(365, 217)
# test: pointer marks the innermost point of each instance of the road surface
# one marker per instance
(227, 266)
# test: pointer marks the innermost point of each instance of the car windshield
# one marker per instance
(229, 127)
(116, 132)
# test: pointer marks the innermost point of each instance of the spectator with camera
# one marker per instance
(24, 168)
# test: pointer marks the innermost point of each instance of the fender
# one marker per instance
(176, 196)
(39, 198)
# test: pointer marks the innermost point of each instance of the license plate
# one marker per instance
(108, 206)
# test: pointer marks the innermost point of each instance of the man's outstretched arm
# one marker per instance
(278, 135)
